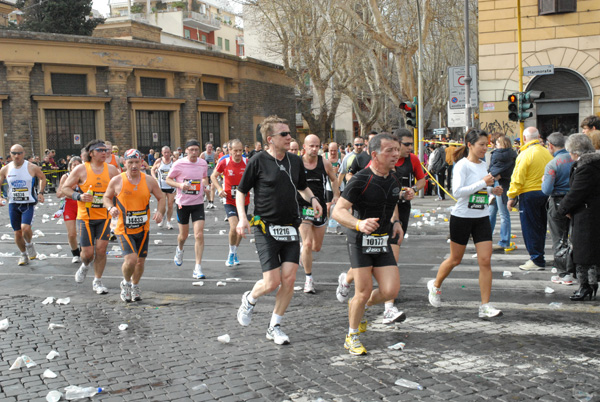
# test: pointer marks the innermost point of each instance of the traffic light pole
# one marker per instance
(467, 70)
(421, 145)
(520, 55)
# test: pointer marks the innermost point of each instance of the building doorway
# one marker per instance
(67, 131)
(153, 130)
(563, 123)
(211, 128)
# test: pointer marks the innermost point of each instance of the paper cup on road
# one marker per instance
(549, 289)
(123, 327)
(157, 241)
(507, 274)
(49, 374)
(224, 338)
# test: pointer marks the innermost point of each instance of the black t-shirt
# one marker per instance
(275, 186)
(254, 152)
(372, 196)
(359, 163)
(316, 179)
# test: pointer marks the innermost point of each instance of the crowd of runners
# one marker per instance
(296, 190)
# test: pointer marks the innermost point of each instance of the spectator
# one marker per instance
(437, 167)
(555, 184)
(594, 135)
(450, 162)
(590, 123)
(151, 158)
(526, 183)
(502, 164)
(582, 206)
(257, 149)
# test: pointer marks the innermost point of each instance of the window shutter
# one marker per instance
(547, 7)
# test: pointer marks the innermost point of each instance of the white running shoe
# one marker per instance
(435, 294)
(23, 259)
(160, 225)
(244, 314)
(99, 288)
(125, 291)
(276, 335)
(178, 259)
(343, 288)
(136, 293)
(76, 259)
(81, 273)
(169, 226)
(309, 286)
(197, 274)
(31, 251)
(488, 311)
(392, 315)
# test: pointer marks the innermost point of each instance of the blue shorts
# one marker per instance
(231, 210)
(21, 214)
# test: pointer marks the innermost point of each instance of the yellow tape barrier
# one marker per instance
(436, 182)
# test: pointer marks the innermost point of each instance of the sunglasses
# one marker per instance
(102, 150)
(284, 133)
(408, 144)
(359, 145)
(16, 153)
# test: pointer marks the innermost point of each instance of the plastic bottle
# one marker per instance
(3, 201)
(90, 192)
(75, 392)
(408, 384)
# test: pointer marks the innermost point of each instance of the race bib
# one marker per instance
(195, 187)
(97, 201)
(136, 219)
(478, 200)
(20, 194)
(164, 174)
(375, 244)
(283, 233)
(211, 165)
(233, 191)
(308, 213)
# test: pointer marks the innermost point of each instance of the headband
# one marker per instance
(132, 154)
(97, 145)
(192, 143)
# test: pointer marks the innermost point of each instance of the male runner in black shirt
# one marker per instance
(276, 176)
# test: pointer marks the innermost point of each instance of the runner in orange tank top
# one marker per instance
(92, 218)
(128, 198)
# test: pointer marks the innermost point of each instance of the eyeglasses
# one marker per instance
(284, 133)
(16, 153)
(408, 144)
(359, 145)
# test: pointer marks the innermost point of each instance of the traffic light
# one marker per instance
(526, 103)
(513, 106)
(411, 110)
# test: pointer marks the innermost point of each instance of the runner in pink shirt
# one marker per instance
(189, 177)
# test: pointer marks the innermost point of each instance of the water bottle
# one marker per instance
(90, 192)
(408, 384)
(332, 225)
(75, 392)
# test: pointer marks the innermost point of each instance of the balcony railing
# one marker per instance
(204, 22)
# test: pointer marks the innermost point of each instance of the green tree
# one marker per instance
(72, 17)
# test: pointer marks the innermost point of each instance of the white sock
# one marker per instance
(309, 275)
(24, 253)
(352, 331)
(275, 320)
(199, 267)
(251, 299)
(28, 244)
(232, 249)
(389, 305)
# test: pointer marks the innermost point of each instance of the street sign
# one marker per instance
(77, 139)
(456, 117)
(456, 87)
(440, 131)
(539, 70)
(154, 137)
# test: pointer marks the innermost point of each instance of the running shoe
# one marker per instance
(343, 288)
(488, 311)
(276, 335)
(236, 261)
(309, 286)
(197, 274)
(229, 262)
(392, 315)
(354, 346)
(23, 259)
(31, 251)
(362, 327)
(169, 226)
(125, 291)
(81, 273)
(136, 293)
(530, 266)
(435, 294)
(566, 279)
(497, 247)
(160, 225)
(76, 259)
(244, 314)
(99, 288)
(178, 259)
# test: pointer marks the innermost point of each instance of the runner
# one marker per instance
(188, 176)
(93, 221)
(276, 176)
(312, 229)
(333, 157)
(22, 178)
(407, 169)
(373, 195)
(128, 199)
(471, 185)
(160, 170)
(209, 156)
(70, 211)
(232, 168)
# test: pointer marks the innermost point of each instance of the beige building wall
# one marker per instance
(570, 41)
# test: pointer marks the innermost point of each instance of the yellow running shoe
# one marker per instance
(354, 346)
(362, 327)
(511, 247)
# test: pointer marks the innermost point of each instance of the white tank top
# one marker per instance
(163, 171)
(21, 184)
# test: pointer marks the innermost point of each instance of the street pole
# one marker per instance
(420, 105)
(467, 70)
(521, 123)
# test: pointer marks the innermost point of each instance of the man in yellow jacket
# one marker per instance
(526, 183)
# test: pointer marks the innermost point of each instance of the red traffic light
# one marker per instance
(407, 106)
(512, 98)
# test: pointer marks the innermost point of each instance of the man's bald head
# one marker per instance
(17, 148)
(530, 134)
(311, 146)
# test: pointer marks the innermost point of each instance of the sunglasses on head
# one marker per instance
(284, 133)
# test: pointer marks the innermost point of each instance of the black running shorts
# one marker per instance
(462, 228)
(273, 253)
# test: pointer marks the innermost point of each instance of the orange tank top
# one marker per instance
(113, 161)
(98, 184)
(133, 202)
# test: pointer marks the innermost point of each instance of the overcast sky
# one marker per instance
(101, 5)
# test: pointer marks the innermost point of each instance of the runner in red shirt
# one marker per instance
(232, 168)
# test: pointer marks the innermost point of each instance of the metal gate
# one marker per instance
(67, 131)
(211, 128)
(153, 130)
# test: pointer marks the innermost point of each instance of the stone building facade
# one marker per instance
(60, 91)
(561, 33)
